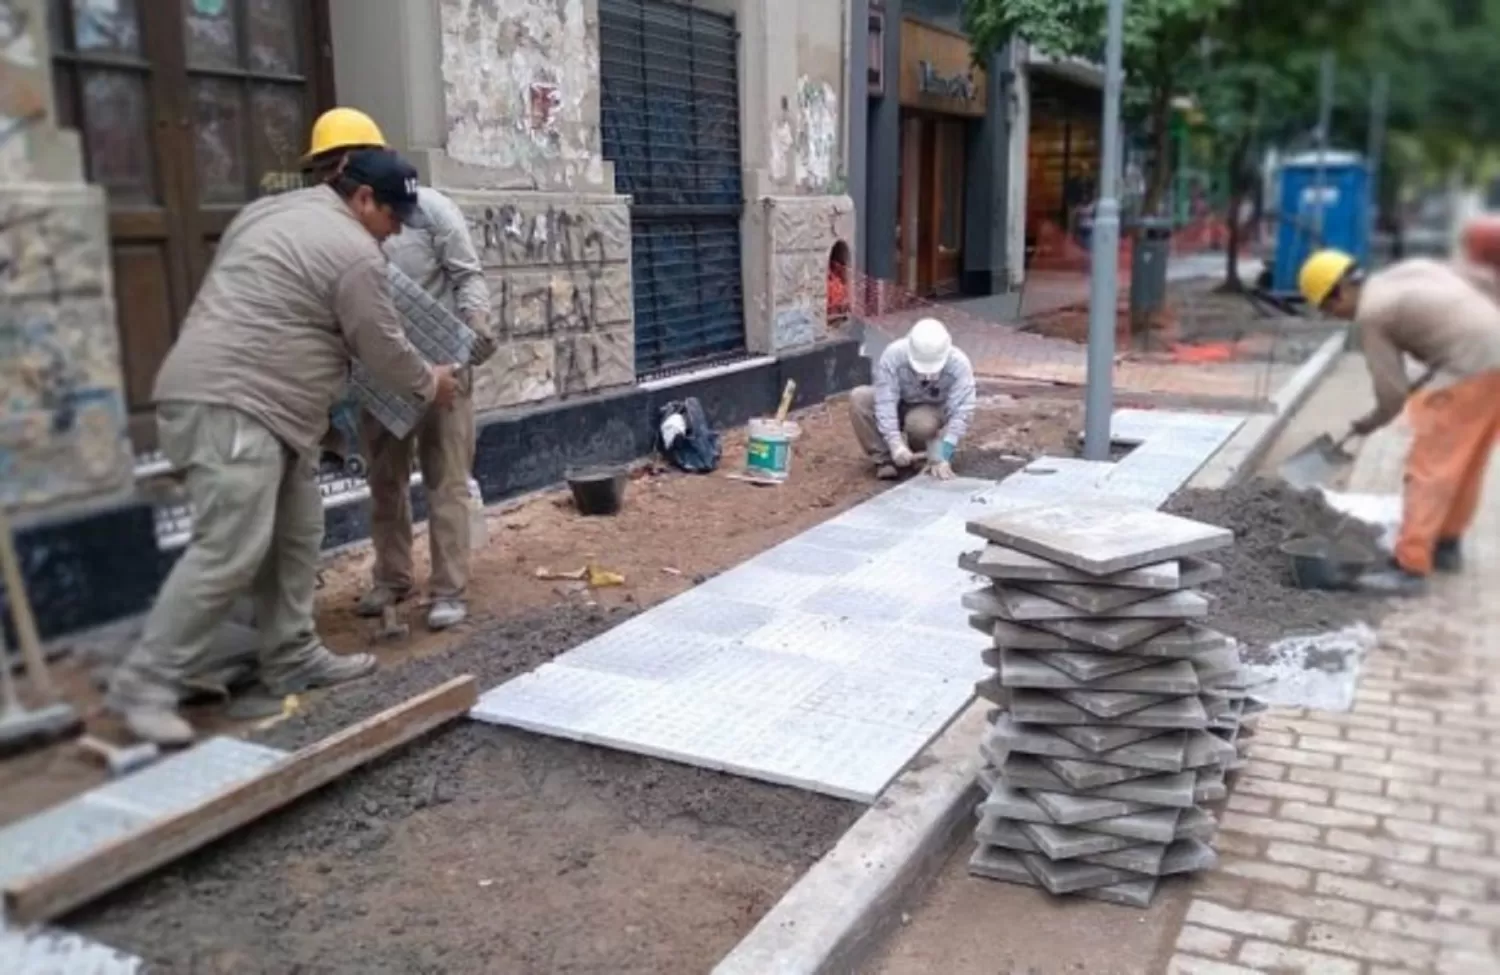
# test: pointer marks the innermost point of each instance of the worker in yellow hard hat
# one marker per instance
(1436, 313)
(440, 258)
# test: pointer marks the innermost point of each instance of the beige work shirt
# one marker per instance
(297, 288)
(1432, 311)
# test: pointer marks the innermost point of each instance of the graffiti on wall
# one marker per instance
(817, 154)
(560, 291)
(62, 414)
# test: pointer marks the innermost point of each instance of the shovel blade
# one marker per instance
(1315, 464)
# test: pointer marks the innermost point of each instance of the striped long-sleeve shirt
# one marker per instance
(896, 382)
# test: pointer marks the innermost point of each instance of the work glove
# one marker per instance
(482, 350)
(901, 455)
(939, 460)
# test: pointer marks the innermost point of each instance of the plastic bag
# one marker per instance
(684, 437)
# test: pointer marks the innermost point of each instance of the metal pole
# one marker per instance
(1103, 283)
(1379, 105)
(1325, 122)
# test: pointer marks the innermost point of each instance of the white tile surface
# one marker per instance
(829, 661)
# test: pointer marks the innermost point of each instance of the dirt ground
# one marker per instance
(1203, 324)
(1256, 601)
(480, 849)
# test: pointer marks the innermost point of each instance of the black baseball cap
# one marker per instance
(392, 179)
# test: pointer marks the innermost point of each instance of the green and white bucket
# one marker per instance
(768, 452)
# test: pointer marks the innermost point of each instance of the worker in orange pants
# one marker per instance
(1435, 313)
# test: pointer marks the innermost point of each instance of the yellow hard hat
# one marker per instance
(1321, 273)
(343, 128)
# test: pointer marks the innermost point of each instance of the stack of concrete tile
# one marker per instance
(1118, 715)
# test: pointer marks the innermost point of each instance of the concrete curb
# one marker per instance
(839, 912)
(831, 919)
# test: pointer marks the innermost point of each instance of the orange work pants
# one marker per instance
(1453, 435)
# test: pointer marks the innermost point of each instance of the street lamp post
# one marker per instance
(1103, 281)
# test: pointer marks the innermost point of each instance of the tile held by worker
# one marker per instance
(1118, 714)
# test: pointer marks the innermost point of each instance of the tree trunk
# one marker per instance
(1232, 282)
(1161, 131)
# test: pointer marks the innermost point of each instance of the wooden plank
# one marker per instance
(32, 900)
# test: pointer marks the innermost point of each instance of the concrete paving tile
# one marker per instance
(1007, 803)
(1195, 572)
(1008, 635)
(1164, 753)
(1043, 707)
(1169, 790)
(1111, 704)
(1091, 599)
(1185, 604)
(1101, 539)
(1105, 738)
(1010, 565)
(1007, 834)
(1113, 635)
(992, 863)
(1086, 776)
(1068, 809)
(1143, 675)
(1089, 667)
(1156, 860)
(1067, 842)
(1068, 876)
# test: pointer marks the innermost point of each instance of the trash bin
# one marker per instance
(1148, 267)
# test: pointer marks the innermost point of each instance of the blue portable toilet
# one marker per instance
(1346, 204)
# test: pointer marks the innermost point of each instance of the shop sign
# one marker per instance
(938, 73)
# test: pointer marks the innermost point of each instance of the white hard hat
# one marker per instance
(928, 345)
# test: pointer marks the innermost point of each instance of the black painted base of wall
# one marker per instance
(107, 566)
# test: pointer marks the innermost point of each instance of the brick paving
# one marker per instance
(1367, 842)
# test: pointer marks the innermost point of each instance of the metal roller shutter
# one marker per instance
(670, 120)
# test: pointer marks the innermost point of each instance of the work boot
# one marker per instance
(323, 669)
(1448, 556)
(149, 711)
(1392, 581)
(446, 613)
(888, 472)
(377, 599)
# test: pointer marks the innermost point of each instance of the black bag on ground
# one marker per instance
(684, 436)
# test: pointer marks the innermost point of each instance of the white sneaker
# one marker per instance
(446, 613)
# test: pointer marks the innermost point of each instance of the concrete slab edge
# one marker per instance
(838, 912)
(841, 910)
(1244, 451)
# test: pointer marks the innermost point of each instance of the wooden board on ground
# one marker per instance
(32, 900)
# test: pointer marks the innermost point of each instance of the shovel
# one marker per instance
(1314, 465)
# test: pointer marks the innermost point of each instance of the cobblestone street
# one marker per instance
(1368, 842)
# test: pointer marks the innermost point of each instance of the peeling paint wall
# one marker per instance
(817, 112)
(62, 403)
(23, 85)
(521, 89)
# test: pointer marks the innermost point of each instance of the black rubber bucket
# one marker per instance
(1318, 563)
(598, 490)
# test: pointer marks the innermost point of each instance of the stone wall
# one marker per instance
(558, 268)
(796, 235)
(62, 404)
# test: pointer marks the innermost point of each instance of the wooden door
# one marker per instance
(948, 196)
(185, 109)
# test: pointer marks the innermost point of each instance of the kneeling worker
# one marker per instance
(296, 289)
(442, 259)
(921, 401)
(1433, 312)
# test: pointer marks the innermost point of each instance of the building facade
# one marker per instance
(965, 162)
(657, 189)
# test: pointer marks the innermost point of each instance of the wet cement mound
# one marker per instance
(1256, 600)
(987, 464)
(388, 868)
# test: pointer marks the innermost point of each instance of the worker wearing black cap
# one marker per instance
(296, 290)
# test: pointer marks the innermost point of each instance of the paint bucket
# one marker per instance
(598, 490)
(768, 451)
